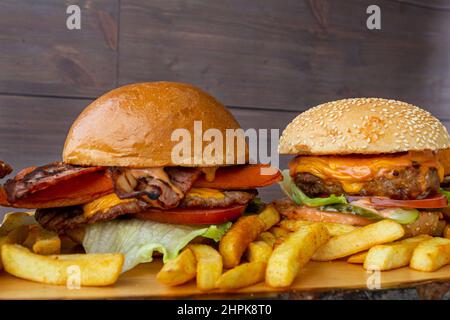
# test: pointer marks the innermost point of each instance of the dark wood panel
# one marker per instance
(290, 54)
(39, 55)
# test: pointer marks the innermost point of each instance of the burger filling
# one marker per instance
(405, 183)
(360, 190)
(137, 211)
(67, 196)
(110, 207)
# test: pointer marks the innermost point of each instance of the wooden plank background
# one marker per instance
(267, 60)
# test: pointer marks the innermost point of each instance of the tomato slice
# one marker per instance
(436, 202)
(192, 216)
(241, 177)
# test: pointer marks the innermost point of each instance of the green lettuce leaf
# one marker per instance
(402, 216)
(447, 194)
(292, 191)
(138, 239)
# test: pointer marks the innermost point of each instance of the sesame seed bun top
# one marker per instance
(363, 126)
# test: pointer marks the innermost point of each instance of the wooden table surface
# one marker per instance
(141, 283)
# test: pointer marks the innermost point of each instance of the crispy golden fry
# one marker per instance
(269, 216)
(431, 255)
(85, 269)
(392, 255)
(236, 240)
(179, 270)
(242, 276)
(267, 237)
(42, 241)
(13, 220)
(17, 235)
(357, 258)
(279, 232)
(259, 251)
(209, 265)
(243, 232)
(291, 255)
(360, 239)
(334, 229)
(447, 231)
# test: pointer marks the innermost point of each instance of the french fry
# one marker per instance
(259, 251)
(360, 239)
(13, 220)
(334, 229)
(242, 276)
(179, 270)
(209, 265)
(431, 255)
(279, 232)
(267, 237)
(392, 255)
(269, 216)
(42, 241)
(234, 243)
(290, 256)
(243, 232)
(357, 258)
(17, 235)
(89, 269)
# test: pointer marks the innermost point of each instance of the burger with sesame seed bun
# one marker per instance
(361, 160)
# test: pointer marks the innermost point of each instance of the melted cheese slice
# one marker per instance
(102, 204)
(353, 171)
(206, 193)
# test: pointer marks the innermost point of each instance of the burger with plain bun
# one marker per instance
(118, 188)
(357, 161)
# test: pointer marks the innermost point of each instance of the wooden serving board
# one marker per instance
(141, 283)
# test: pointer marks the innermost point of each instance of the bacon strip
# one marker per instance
(240, 177)
(45, 187)
(32, 180)
(159, 187)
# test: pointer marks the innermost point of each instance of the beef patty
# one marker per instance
(408, 183)
(64, 218)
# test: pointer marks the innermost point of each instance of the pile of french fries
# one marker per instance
(257, 248)
(30, 252)
(264, 248)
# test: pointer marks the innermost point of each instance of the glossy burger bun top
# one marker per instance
(131, 126)
(363, 126)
